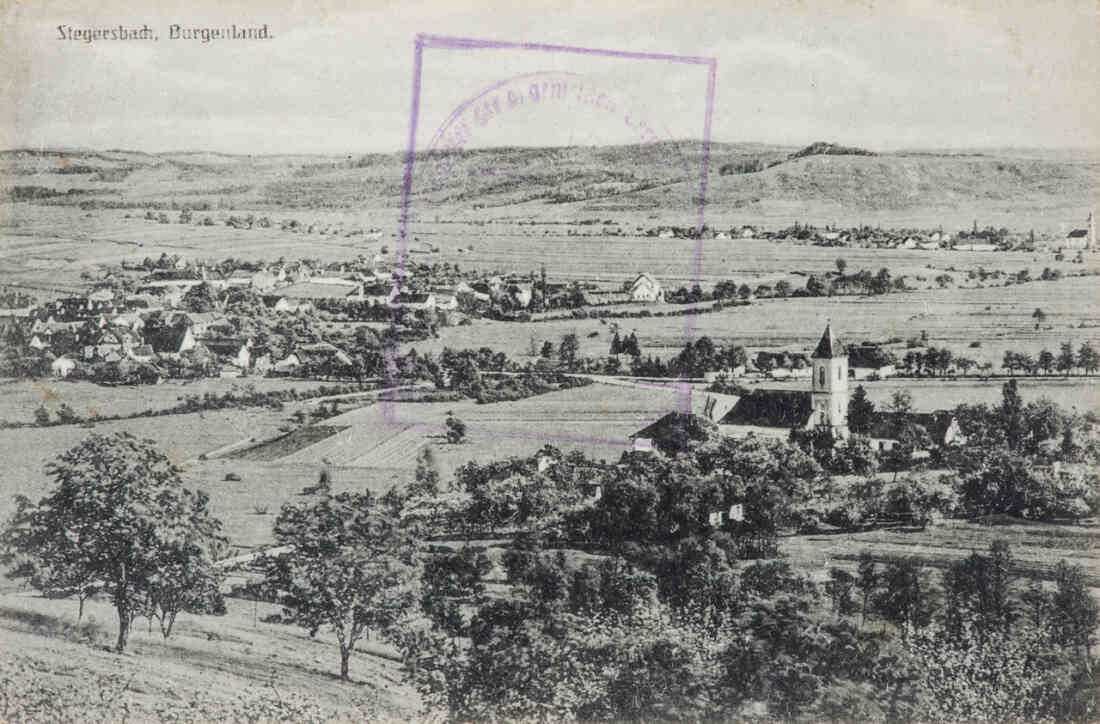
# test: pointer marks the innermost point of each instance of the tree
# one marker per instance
(121, 518)
(901, 402)
(841, 265)
(1088, 358)
(867, 581)
(456, 429)
(860, 412)
(1066, 359)
(41, 416)
(347, 566)
(426, 481)
(906, 598)
(1074, 612)
(1012, 414)
(567, 350)
(616, 344)
(1039, 316)
(782, 288)
(547, 350)
(1045, 361)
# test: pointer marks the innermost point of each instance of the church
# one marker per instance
(776, 412)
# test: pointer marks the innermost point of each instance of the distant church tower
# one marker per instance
(830, 385)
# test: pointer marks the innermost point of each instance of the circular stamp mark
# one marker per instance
(483, 119)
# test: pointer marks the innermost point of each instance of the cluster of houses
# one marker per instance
(1080, 238)
(299, 286)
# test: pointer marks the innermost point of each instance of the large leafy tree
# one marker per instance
(119, 520)
(347, 565)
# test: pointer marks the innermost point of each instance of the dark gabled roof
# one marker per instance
(224, 345)
(1077, 234)
(166, 338)
(771, 408)
(884, 425)
(829, 346)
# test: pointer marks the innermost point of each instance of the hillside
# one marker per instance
(819, 180)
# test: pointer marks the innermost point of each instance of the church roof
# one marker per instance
(829, 346)
(771, 408)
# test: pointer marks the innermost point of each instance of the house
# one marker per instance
(311, 291)
(262, 364)
(645, 288)
(170, 340)
(131, 320)
(519, 294)
(240, 278)
(446, 301)
(143, 353)
(62, 367)
(288, 365)
(235, 350)
(291, 306)
(321, 353)
(264, 281)
(942, 427)
(202, 322)
(870, 361)
(406, 300)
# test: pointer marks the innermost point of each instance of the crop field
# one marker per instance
(47, 247)
(998, 318)
(1036, 547)
(182, 437)
(20, 398)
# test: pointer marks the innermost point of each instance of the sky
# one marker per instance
(337, 77)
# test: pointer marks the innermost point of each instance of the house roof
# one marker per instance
(885, 424)
(829, 346)
(225, 345)
(1077, 234)
(771, 408)
(167, 338)
(311, 290)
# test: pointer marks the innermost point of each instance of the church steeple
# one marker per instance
(829, 346)
(829, 385)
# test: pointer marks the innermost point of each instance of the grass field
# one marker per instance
(210, 664)
(20, 398)
(1036, 547)
(998, 318)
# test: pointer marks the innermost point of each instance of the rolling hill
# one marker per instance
(816, 183)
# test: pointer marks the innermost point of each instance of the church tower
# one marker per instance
(830, 386)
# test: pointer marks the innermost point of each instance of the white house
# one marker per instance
(62, 367)
(645, 288)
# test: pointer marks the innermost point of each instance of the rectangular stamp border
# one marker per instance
(444, 42)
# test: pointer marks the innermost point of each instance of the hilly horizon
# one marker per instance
(821, 182)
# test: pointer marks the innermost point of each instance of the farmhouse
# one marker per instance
(235, 350)
(170, 340)
(62, 367)
(311, 291)
(645, 288)
(1082, 238)
(870, 361)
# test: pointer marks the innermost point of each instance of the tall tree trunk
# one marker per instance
(80, 609)
(123, 629)
(345, 654)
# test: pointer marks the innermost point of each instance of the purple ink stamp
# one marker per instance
(472, 93)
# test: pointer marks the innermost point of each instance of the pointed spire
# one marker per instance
(829, 346)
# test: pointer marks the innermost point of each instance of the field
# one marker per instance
(20, 398)
(210, 667)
